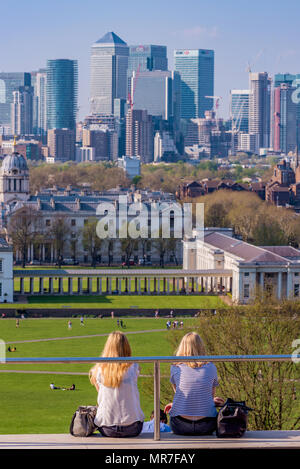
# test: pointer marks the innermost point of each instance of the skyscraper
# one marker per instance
(139, 135)
(260, 108)
(22, 111)
(10, 82)
(239, 110)
(292, 81)
(109, 62)
(285, 119)
(144, 58)
(39, 83)
(158, 92)
(147, 57)
(196, 68)
(62, 84)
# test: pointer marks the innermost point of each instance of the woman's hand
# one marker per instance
(168, 407)
(219, 401)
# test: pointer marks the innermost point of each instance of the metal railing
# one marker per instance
(156, 361)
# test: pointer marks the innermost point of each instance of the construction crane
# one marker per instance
(216, 104)
(132, 91)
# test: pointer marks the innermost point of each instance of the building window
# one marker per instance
(246, 290)
(1, 265)
(296, 289)
(0, 289)
(246, 274)
(48, 222)
(73, 222)
(296, 274)
(85, 222)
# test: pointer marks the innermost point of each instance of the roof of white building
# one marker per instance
(250, 253)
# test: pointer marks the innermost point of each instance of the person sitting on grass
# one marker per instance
(12, 349)
(148, 427)
(119, 413)
(193, 411)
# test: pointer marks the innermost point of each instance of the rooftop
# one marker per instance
(249, 253)
(110, 38)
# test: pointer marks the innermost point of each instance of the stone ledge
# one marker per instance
(252, 439)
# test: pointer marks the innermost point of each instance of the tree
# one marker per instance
(59, 234)
(109, 247)
(24, 227)
(265, 327)
(91, 241)
(127, 247)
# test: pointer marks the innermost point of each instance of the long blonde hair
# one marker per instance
(117, 345)
(191, 345)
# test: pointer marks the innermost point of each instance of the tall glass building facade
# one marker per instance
(10, 82)
(260, 108)
(158, 92)
(146, 58)
(62, 89)
(109, 63)
(292, 81)
(39, 83)
(196, 68)
(239, 110)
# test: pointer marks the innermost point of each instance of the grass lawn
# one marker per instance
(49, 411)
(120, 301)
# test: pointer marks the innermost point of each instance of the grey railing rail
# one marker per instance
(157, 360)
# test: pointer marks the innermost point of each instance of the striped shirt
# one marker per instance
(194, 388)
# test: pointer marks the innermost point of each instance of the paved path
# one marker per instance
(81, 336)
(252, 439)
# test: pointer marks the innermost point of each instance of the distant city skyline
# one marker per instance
(263, 37)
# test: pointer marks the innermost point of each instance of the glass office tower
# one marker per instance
(260, 107)
(146, 58)
(109, 62)
(62, 88)
(39, 83)
(10, 82)
(158, 92)
(239, 110)
(196, 68)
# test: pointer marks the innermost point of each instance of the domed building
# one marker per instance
(14, 180)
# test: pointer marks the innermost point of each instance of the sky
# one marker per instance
(264, 34)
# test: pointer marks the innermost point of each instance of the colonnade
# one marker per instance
(125, 284)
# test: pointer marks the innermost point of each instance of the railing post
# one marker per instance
(156, 401)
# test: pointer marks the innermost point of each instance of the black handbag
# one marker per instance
(82, 423)
(232, 419)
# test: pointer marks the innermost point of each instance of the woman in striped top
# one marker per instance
(193, 411)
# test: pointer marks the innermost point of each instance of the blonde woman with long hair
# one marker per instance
(193, 411)
(119, 412)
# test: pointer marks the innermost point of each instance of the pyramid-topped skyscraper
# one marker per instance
(109, 62)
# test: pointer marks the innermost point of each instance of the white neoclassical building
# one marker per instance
(276, 268)
(76, 206)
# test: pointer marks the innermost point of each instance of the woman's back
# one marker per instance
(194, 390)
(119, 405)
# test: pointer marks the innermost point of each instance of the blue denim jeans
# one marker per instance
(182, 426)
(121, 431)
